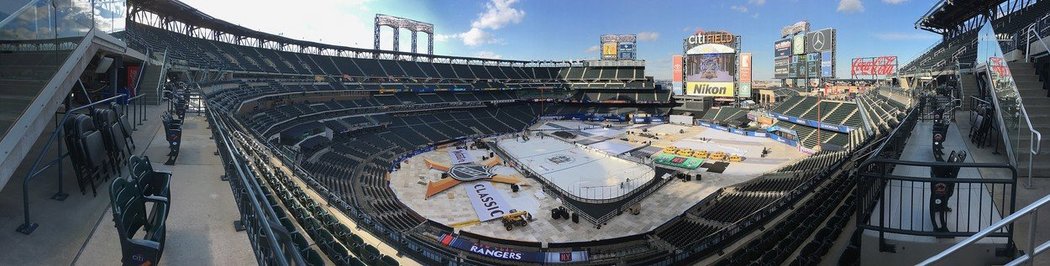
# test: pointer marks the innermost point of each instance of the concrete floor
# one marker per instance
(200, 225)
(80, 230)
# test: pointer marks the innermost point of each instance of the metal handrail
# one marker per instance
(254, 193)
(1034, 141)
(28, 227)
(1032, 250)
(1035, 137)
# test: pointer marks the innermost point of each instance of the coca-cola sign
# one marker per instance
(874, 66)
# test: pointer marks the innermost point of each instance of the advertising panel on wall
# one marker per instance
(827, 68)
(820, 41)
(618, 46)
(712, 89)
(676, 68)
(745, 76)
(782, 48)
(676, 74)
(781, 67)
(799, 44)
(626, 51)
(873, 66)
(609, 50)
(710, 67)
(813, 66)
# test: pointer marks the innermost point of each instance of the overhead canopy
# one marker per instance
(948, 14)
(178, 11)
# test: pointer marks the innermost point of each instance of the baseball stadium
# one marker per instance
(196, 138)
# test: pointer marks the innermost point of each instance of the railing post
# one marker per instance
(1030, 251)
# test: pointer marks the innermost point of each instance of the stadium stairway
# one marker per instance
(152, 77)
(1037, 103)
(968, 82)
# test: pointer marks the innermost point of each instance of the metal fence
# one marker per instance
(271, 242)
(897, 203)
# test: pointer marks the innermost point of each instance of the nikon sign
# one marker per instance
(711, 89)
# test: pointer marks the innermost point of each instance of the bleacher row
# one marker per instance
(944, 55)
(809, 138)
(639, 96)
(882, 111)
(724, 114)
(776, 244)
(340, 243)
(833, 112)
(262, 120)
(1016, 24)
(707, 224)
(200, 53)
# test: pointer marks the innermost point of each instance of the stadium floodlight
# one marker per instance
(398, 23)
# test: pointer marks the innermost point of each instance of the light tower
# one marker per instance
(398, 23)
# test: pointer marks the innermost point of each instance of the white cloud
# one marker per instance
(741, 9)
(593, 49)
(894, 2)
(350, 18)
(901, 36)
(488, 54)
(756, 2)
(755, 15)
(497, 14)
(850, 6)
(475, 37)
(646, 36)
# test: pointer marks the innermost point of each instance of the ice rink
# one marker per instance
(583, 172)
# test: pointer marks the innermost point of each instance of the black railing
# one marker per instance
(39, 167)
(894, 203)
(271, 242)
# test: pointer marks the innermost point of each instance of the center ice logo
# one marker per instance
(469, 172)
(560, 159)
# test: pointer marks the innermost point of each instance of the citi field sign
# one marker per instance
(712, 37)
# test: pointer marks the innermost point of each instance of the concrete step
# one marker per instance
(1038, 170)
(1032, 93)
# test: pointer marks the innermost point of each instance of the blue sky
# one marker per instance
(563, 30)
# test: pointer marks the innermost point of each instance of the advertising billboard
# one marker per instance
(676, 68)
(618, 46)
(626, 51)
(827, 68)
(873, 66)
(709, 41)
(799, 44)
(712, 89)
(820, 41)
(609, 50)
(782, 48)
(781, 67)
(745, 75)
(710, 67)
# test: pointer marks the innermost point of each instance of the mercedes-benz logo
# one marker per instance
(818, 43)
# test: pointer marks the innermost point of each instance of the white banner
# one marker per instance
(461, 156)
(487, 201)
(682, 119)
